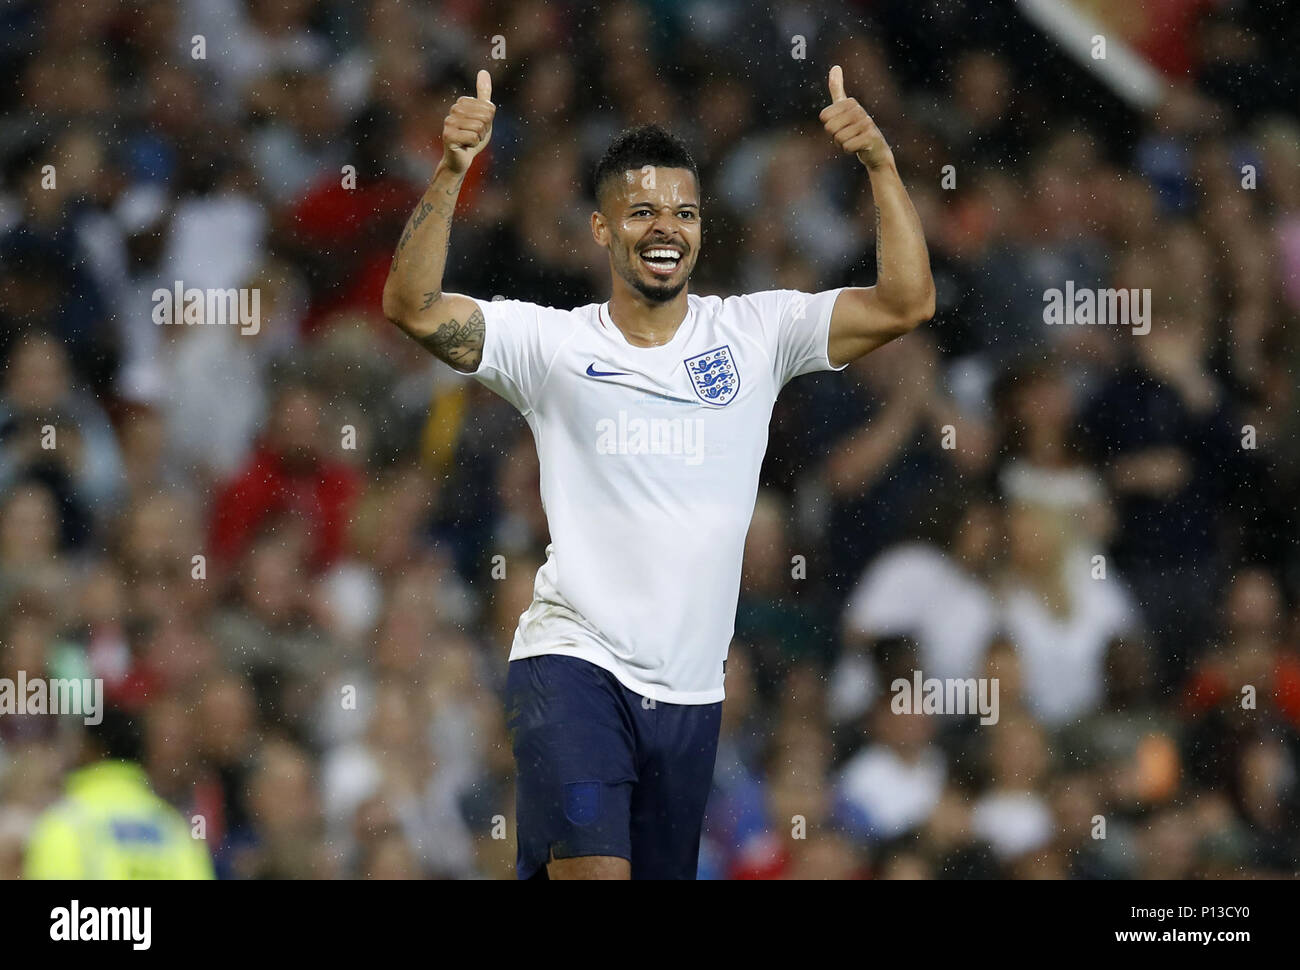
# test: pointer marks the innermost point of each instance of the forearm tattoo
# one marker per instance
(879, 246)
(414, 223)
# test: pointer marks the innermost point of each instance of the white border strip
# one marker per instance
(1122, 69)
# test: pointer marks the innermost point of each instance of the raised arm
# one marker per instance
(448, 325)
(865, 318)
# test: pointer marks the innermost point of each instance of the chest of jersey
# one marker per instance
(692, 412)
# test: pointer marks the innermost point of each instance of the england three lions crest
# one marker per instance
(714, 375)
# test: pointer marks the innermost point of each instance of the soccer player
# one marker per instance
(650, 413)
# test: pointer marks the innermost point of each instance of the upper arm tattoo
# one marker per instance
(459, 344)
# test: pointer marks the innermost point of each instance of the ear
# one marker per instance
(599, 230)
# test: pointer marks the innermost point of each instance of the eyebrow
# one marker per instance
(651, 205)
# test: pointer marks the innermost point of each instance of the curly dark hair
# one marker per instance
(638, 147)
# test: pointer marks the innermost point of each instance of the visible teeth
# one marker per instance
(663, 254)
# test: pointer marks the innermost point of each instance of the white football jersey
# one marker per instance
(649, 460)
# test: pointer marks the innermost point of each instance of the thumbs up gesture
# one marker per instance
(851, 126)
(468, 127)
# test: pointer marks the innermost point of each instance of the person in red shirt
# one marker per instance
(343, 229)
(1253, 651)
(289, 476)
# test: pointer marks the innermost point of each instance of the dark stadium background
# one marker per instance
(372, 567)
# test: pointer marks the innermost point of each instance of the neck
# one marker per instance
(645, 323)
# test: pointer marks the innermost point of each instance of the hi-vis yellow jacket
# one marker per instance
(110, 825)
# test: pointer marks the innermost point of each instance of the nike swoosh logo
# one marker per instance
(592, 372)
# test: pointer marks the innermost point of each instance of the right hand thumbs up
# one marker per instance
(468, 127)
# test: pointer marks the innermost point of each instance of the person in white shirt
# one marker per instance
(1062, 609)
(650, 414)
(899, 592)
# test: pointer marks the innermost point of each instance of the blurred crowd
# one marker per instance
(298, 556)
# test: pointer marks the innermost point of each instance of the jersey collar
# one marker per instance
(616, 335)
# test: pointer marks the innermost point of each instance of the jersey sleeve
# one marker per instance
(796, 330)
(516, 336)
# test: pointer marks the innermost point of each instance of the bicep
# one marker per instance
(449, 326)
(861, 323)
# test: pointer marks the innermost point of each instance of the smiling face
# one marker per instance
(649, 220)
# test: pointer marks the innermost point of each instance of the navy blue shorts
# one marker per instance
(602, 771)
